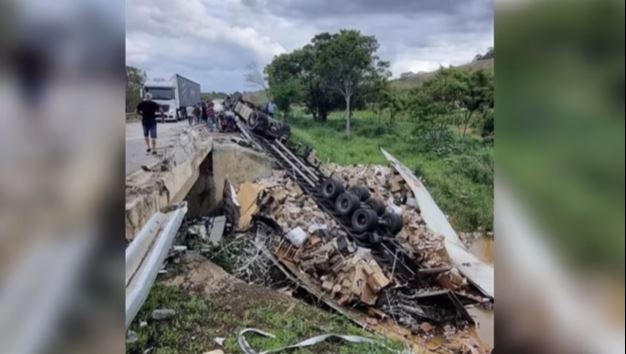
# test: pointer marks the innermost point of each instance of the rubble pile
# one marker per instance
(286, 239)
(350, 274)
(284, 201)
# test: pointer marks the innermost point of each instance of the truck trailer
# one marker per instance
(173, 96)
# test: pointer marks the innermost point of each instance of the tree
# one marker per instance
(477, 95)
(435, 101)
(135, 79)
(292, 80)
(285, 86)
(333, 70)
(393, 102)
(452, 90)
(344, 62)
(377, 92)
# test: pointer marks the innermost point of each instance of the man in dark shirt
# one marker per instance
(204, 116)
(147, 108)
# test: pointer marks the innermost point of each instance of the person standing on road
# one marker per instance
(271, 108)
(203, 111)
(210, 113)
(196, 113)
(189, 110)
(148, 108)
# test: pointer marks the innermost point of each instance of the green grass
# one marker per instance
(459, 175)
(199, 319)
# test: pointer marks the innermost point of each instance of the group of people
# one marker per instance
(203, 112)
(200, 113)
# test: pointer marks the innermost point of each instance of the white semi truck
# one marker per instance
(173, 95)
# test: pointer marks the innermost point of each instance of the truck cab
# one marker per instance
(163, 93)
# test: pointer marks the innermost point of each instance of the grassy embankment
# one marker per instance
(459, 175)
(200, 319)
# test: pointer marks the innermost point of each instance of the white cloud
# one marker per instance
(212, 41)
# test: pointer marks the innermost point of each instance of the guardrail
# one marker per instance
(145, 256)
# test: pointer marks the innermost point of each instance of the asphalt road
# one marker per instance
(136, 155)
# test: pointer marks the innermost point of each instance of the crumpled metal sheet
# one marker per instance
(478, 272)
(246, 348)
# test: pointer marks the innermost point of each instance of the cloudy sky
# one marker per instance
(212, 41)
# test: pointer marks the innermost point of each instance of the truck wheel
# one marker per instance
(364, 219)
(263, 122)
(393, 222)
(360, 191)
(331, 188)
(253, 120)
(377, 205)
(274, 130)
(346, 203)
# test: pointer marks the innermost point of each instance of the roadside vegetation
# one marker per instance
(199, 319)
(458, 174)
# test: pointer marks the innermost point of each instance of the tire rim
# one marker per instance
(361, 219)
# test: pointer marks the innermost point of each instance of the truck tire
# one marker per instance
(346, 203)
(377, 205)
(364, 219)
(331, 188)
(264, 122)
(253, 120)
(274, 130)
(360, 191)
(393, 222)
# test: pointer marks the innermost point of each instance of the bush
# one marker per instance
(479, 169)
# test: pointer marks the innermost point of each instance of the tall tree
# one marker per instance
(135, 78)
(292, 80)
(477, 95)
(344, 61)
(284, 81)
(435, 101)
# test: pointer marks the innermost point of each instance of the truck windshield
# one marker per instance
(161, 93)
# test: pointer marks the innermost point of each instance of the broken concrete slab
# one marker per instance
(149, 191)
(238, 164)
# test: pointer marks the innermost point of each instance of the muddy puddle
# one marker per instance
(483, 248)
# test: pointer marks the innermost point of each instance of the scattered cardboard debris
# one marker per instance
(287, 241)
(247, 196)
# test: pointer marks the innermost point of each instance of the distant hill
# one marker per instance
(412, 80)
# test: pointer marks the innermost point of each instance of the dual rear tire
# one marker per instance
(366, 212)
